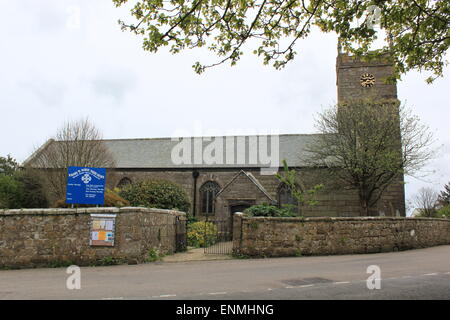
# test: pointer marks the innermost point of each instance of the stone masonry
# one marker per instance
(333, 200)
(277, 237)
(42, 237)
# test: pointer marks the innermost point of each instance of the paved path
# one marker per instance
(414, 274)
(198, 254)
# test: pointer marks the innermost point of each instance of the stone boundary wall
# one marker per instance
(46, 237)
(277, 237)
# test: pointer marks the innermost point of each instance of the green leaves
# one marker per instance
(444, 212)
(8, 165)
(160, 194)
(21, 190)
(10, 192)
(417, 31)
(265, 210)
(290, 179)
(369, 144)
(201, 234)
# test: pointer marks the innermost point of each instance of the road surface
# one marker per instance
(414, 274)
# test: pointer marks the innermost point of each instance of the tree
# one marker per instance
(368, 144)
(10, 192)
(32, 194)
(425, 201)
(8, 165)
(76, 143)
(444, 196)
(19, 188)
(289, 177)
(443, 202)
(417, 31)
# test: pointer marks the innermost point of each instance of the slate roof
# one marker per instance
(157, 152)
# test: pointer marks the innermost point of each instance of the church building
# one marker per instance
(240, 174)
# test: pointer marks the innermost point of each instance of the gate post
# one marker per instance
(237, 232)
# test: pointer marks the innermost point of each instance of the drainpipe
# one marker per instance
(195, 175)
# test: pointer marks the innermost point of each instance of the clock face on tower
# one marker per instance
(367, 80)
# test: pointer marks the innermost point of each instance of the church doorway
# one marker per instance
(239, 208)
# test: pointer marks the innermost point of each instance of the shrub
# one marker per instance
(32, 195)
(265, 210)
(154, 255)
(191, 219)
(107, 261)
(156, 194)
(201, 234)
(444, 212)
(112, 199)
(8, 165)
(10, 192)
(21, 190)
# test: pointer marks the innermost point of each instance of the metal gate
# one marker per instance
(218, 236)
(180, 234)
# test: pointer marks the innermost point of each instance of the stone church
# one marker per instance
(235, 177)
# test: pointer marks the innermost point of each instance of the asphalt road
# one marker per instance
(414, 274)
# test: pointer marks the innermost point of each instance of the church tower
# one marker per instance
(357, 79)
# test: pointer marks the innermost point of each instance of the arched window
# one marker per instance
(286, 199)
(123, 182)
(207, 193)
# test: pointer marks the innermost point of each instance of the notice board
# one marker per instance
(85, 185)
(103, 230)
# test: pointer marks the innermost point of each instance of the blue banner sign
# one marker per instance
(85, 185)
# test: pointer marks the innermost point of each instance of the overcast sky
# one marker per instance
(64, 60)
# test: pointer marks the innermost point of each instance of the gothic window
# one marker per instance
(208, 192)
(123, 182)
(285, 198)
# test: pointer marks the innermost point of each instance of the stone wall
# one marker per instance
(277, 237)
(42, 237)
(333, 200)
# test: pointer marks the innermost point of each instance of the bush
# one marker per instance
(201, 234)
(10, 192)
(156, 194)
(265, 210)
(21, 190)
(32, 195)
(112, 199)
(8, 165)
(154, 255)
(191, 219)
(444, 212)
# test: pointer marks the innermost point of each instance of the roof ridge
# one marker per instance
(213, 136)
